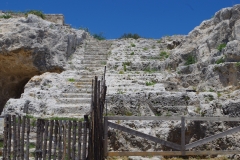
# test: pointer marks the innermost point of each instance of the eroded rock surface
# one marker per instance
(192, 75)
(31, 46)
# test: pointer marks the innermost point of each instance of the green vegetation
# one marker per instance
(66, 118)
(128, 113)
(145, 48)
(125, 64)
(119, 91)
(121, 72)
(103, 63)
(133, 45)
(159, 41)
(198, 109)
(1, 144)
(6, 16)
(132, 53)
(36, 12)
(211, 90)
(150, 83)
(32, 145)
(211, 98)
(221, 46)
(219, 94)
(130, 35)
(237, 64)
(99, 36)
(190, 60)
(149, 70)
(84, 28)
(168, 114)
(163, 55)
(71, 80)
(221, 60)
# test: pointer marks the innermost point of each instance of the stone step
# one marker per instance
(75, 95)
(84, 69)
(93, 58)
(81, 79)
(66, 109)
(74, 100)
(83, 90)
(94, 66)
(93, 53)
(96, 61)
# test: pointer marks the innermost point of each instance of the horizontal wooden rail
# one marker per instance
(211, 138)
(172, 153)
(143, 135)
(172, 118)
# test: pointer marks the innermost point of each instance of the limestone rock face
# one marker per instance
(31, 46)
(193, 75)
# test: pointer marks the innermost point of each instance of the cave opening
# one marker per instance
(16, 69)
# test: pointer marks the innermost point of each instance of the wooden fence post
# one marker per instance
(69, 139)
(45, 139)
(74, 139)
(84, 140)
(80, 140)
(55, 139)
(18, 136)
(9, 137)
(28, 132)
(60, 148)
(105, 136)
(14, 137)
(50, 140)
(22, 138)
(183, 136)
(5, 139)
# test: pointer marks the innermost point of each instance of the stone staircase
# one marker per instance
(89, 61)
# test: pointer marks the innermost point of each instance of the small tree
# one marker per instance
(130, 35)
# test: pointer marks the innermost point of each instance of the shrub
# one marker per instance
(132, 53)
(190, 60)
(133, 45)
(130, 35)
(6, 16)
(71, 80)
(221, 46)
(36, 12)
(221, 60)
(145, 48)
(150, 83)
(84, 28)
(99, 36)
(164, 54)
(121, 72)
(237, 64)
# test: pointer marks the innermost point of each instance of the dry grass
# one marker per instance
(117, 158)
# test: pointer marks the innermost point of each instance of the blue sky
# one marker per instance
(148, 18)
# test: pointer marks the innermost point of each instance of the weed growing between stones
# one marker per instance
(6, 16)
(130, 35)
(150, 83)
(99, 36)
(221, 60)
(133, 45)
(237, 64)
(71, 80)
(190, 60)
(164, 55)
(121, 72)
(221, 46)
(36, 12)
